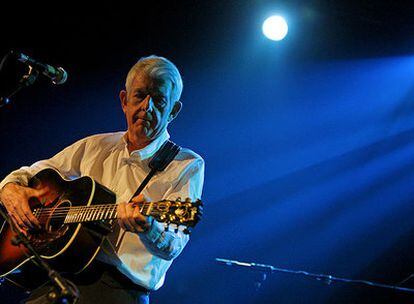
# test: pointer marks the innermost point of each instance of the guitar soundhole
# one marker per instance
(57, 217)
(52, 220)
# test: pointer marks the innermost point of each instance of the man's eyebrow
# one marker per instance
(154, 91)
(141, 90)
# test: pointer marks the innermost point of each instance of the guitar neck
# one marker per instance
(82, 214)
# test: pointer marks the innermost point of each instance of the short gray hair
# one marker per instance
(159, 68)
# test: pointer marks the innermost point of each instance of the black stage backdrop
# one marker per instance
(308, 142)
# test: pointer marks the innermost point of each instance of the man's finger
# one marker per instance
(37, 192)
(129, 217)
(140, 198)
(22, 216)
(123, 215)
(18, 222)
(140, 221)
(29, 215)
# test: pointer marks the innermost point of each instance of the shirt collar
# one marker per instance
(149, 150)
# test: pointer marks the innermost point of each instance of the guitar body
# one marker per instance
(68, 248)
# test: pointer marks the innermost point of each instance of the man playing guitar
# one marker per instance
(144, 249)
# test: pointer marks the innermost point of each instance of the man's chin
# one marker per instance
(143, 134)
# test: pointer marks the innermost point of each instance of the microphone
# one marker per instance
(56, 75)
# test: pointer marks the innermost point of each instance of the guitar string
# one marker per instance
(108, 206)
(102, 213)
(111, 205)
(92, 216)
(89, 220)
(84, 213)
(97, 212)
(91, 213)
(102, 208)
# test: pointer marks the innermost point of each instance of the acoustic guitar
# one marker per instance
(75, 216)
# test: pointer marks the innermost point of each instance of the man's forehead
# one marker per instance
(142, 80)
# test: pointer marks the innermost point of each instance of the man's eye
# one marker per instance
(140, 95)
(160, 100)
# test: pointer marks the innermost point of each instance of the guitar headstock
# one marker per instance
(180, 213)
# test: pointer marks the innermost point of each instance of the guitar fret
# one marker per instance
(101, 210)
(78, 216)
(112, 213)
(94, 214)
(85, 215)
(98, 213)
(68, 218)
(108, 212)
(91, 214)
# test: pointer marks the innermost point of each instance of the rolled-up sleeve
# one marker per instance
(67, 162)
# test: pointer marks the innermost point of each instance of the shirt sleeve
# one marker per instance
(67, 162)
(168, 244)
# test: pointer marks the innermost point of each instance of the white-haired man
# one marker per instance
(119, 161)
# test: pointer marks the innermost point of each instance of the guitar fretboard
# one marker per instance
(81, 214)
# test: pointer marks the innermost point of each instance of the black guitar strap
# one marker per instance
(158, 163)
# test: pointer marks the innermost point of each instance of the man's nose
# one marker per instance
(147, 103)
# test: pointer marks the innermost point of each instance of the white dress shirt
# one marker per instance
(145, 257)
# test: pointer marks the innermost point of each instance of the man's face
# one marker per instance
(148, 108)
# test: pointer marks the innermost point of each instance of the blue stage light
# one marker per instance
(275, 28)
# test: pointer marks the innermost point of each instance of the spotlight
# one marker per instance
(275, 28)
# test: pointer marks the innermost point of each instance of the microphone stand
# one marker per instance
(326, 278)
(63, 291)
(26, 80)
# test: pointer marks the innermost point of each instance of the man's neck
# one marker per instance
(136, 144)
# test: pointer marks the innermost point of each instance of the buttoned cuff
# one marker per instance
(155, 230)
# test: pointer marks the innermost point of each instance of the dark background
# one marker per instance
(308, 142)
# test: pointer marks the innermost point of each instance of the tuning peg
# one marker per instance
(178, 199)
(162, 217)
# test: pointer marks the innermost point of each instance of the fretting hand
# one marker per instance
(129, 216)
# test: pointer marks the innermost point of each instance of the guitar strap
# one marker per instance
(158, 163)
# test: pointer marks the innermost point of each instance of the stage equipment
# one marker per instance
(12, 80)
(62, 291)
(56, 75)
(326, 278)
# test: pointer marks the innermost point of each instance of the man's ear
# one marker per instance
(175, 110)
(123, 98)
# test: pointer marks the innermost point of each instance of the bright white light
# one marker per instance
(275, 28)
